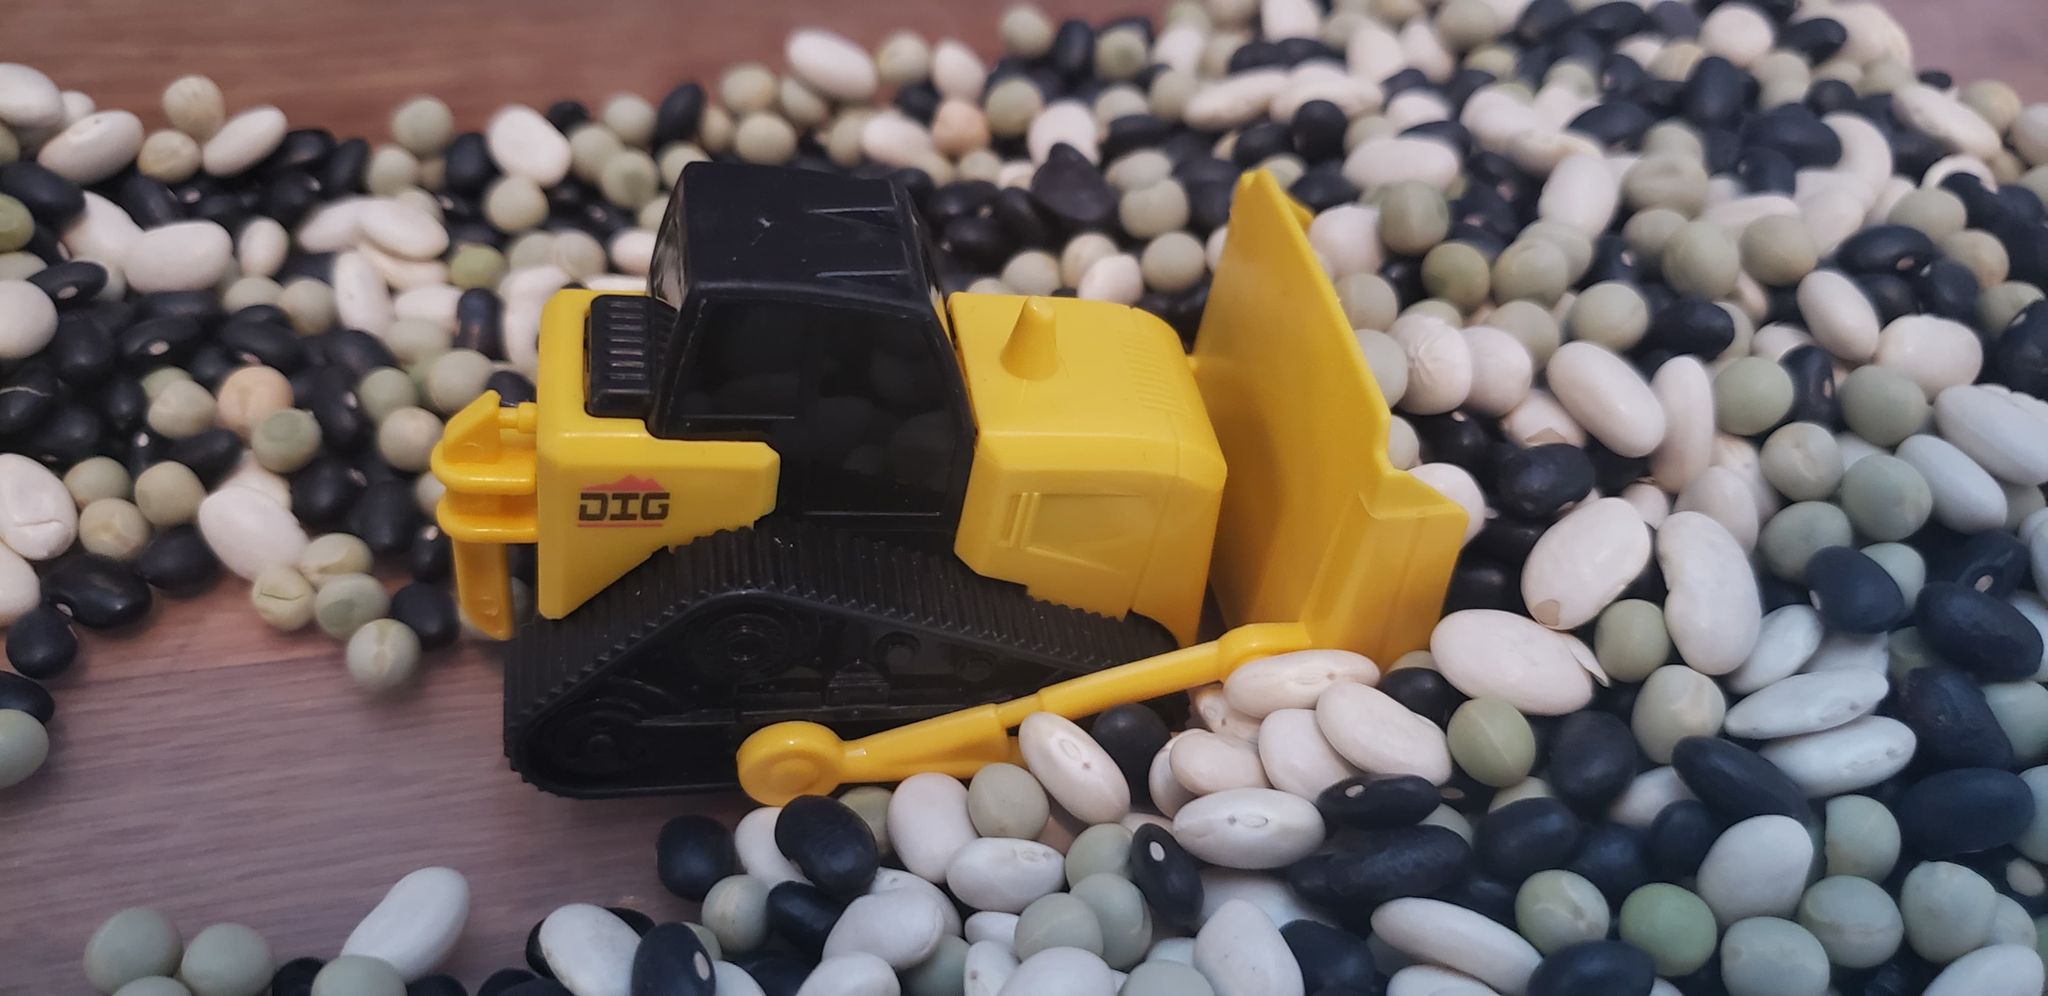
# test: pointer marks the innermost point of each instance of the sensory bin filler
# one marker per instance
(795, 494)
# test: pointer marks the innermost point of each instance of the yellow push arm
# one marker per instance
(787, 760)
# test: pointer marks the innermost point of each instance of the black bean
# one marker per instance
(1612, 471)
(1073, 49)
(829, 843)
(212, 454)
(2027, 249)
(467, 166)
(343, 426)
(1259, 142)
(1764, 170)
(41, 645)
(1488, 897)
(1525, 837)
(1477, 583)
(1817, 38)
(1070, 188)
(1457, 438)
(342, 173)
(502, 981)
(1813, 386)
(99, 592)
(640, 922)
(1679, 839)
(535, 958)
(295, 977)
(27, 396)
(1617, 123)
(429, 611)
(1829, 96)
(270, 344)
(71, 282)
(1895, 249)
(1623, 78)
(356, 352)
(1964, 810)
(303, 150)
(1905, 974)
(1424, 692)
(385, 516)
(2021, 206)
(1593, 757)
(436, 985)
(210, 364)
(69, 434)
(1736, 782)
(671, 961)
(159, 341)
(1255, 55)
(1952, 723)
(1691, 326)
(324, 490)
(1027, 226)
(1613, 858)
(1168, 876)
(1375, 802)
(1798, 133)
(918, 101)
(959, 199)
(1892, 295)
(692, 854)
(51, 199)
(1981, 634)
(1543, 19)
(1949, 289)
(82, 350)
(802, 915)
(978, 241)
(144, 449)
(778, 973)
(1378, 866)
(1208, 206)
(26, 695)
(1507, 539)
(1853, 592)
(1995, 563)
(512, 386)
(149, 201)
(1329, 957)
(1131, 734)
(539, 987)
(178, 562)
(677, 116)
(431, 556)
(1716, 92)
(123, 404)
(1538, 482)
(1594, 968)
(566, 114)
(1316, 130)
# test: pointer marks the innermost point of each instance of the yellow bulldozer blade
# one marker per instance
(1320, 541)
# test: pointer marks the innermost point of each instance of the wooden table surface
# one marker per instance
(218, 771)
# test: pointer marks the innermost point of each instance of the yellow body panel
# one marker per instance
(1096, 478)
(600, 495)
(1320, 541)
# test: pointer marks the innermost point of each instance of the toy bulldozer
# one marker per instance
(803, 520)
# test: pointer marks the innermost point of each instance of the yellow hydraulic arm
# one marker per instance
(1320, 541)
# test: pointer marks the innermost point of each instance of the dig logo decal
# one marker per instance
(626, 503)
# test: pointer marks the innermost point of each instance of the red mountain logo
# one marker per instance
(629, 502)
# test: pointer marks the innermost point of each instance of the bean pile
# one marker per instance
(1722, 321)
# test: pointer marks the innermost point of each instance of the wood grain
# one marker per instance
(219, 771)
